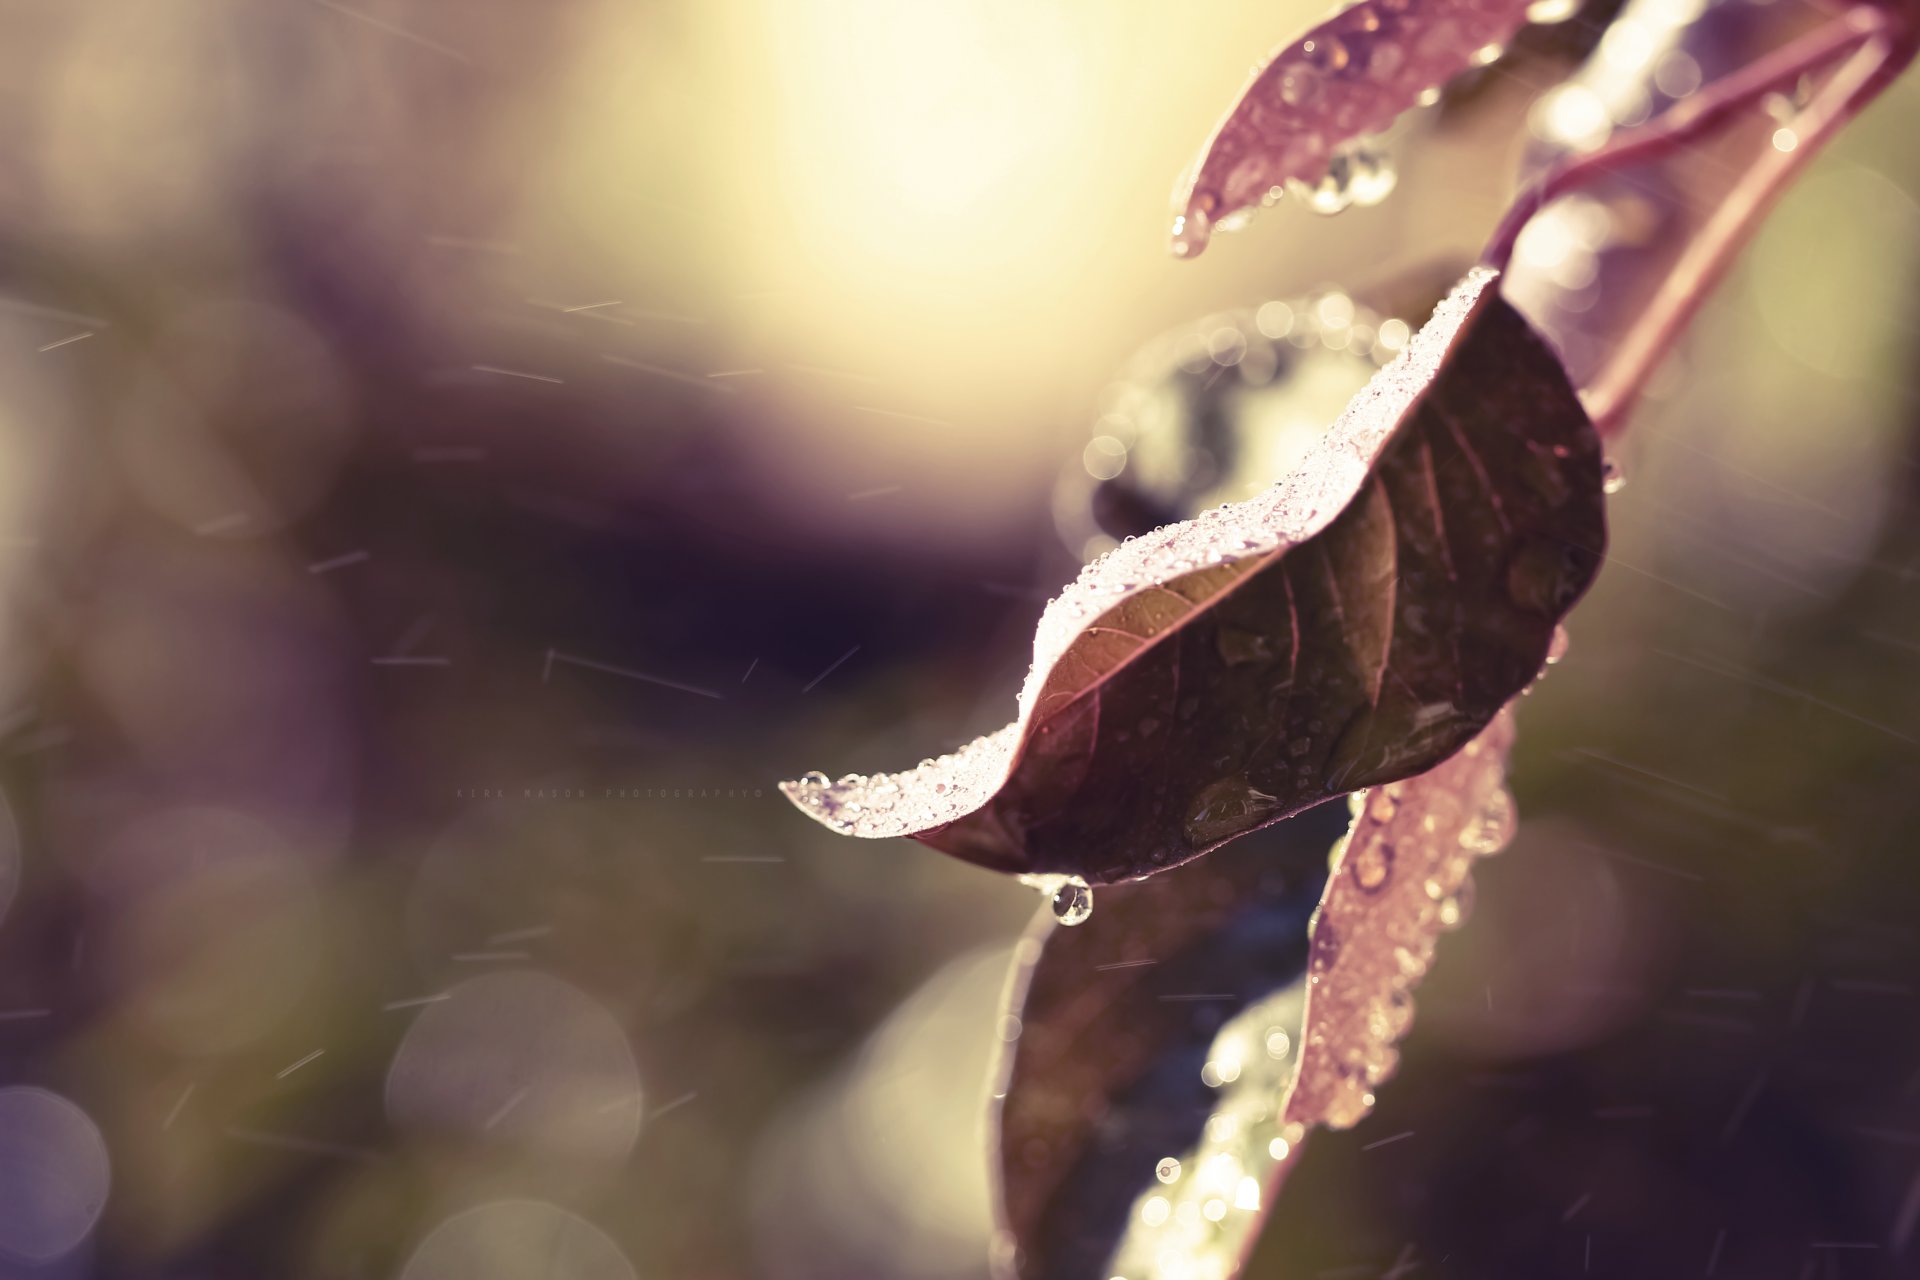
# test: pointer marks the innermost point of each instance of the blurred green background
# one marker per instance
(456, 457)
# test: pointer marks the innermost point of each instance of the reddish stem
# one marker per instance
(1880, 45)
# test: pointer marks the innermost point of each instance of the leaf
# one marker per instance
(1179, 1045)
(1355, 625)
(1348, 77)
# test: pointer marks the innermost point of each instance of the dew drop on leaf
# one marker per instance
(1370, 176)
(1558, 648)
(1227, 808)
(1492, 828)
(1299, 85)
(1073, 902)
(1168, 1170)
(1372, 865)
(1326, 950)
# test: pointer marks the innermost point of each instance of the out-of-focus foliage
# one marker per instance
(455, 456)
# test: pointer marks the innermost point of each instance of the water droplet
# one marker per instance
(1373, 865)
(1238, 646)
(1612, 478)
(1299, 84)
(1279, 1044)
(1455, 910)
(1552, 10)
(1491, 828)
(1434, 889)
(1073, 902)
(1370, 176)
(1225, 809)
(1334, 192)
(815, 779)
(1325, 949)
(1168, 1170)
(1381, 806)
(1329, 53)
(1279, 1148)
(1557, 647)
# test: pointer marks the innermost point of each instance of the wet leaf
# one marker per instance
(1355, 625)
(1175, 1049)
(1348, 77)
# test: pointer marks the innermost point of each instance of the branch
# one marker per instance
(1877, 46)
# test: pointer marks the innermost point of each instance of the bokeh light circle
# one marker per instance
(54, 1175)
(521, 1059)
(516, 1239)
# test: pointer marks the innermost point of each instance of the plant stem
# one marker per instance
(1880, 45)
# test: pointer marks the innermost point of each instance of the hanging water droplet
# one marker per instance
(1557, 647)
(1334, 192)
(1370, 176)
(1168, 1170)
(815, 779)
(1612, 478)
(1329, 53)
(1072, 902)
(1455, 909)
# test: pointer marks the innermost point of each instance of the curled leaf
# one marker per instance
(1175, 1050)
(1355, 625)
(1348, 77)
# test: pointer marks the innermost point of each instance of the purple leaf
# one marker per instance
(1348, 77)
(1175, 1050)
(1355, 625)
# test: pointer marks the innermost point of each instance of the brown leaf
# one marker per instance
(1175, 1049)
(1355, 625)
